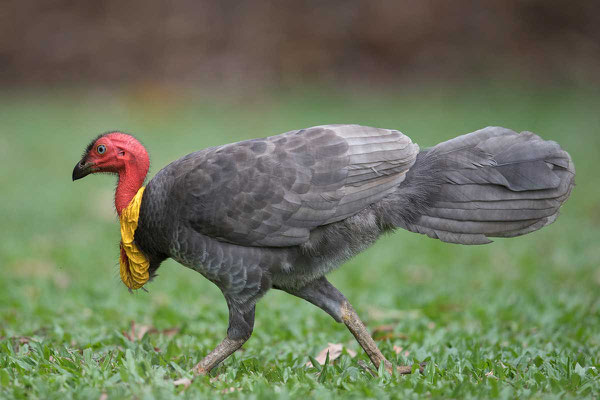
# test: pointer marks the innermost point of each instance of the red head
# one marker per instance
(120, 154)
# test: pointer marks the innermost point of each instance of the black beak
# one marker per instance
(82, 169)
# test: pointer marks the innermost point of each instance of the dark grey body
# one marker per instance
(282, 212)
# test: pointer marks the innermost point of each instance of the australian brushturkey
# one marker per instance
(283, 211)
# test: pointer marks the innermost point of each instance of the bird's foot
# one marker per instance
(221, 352)
(407, 369)
(400, 369)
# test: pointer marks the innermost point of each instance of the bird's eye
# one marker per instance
(101, 149)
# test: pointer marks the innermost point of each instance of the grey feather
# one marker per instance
(291, 183)
(517, 188)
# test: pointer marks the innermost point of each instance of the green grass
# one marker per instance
(519, 318)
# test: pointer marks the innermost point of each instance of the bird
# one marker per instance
(283, 211)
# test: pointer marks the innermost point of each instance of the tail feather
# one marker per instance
(491, 183)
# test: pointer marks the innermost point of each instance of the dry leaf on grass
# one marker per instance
(490, 374)
(186, 382)
(18, 341)
(137, 332)
(334, 350)
(23, 339)
(169, 332)
(398, 350)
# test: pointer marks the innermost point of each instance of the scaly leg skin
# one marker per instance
(226, 348)
(325, 296)
(238, 332)
(362, 336)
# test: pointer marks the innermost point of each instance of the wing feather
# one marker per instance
(274, 191)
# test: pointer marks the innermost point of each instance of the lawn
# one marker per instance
(519, 318)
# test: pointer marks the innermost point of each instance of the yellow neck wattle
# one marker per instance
(133, 263)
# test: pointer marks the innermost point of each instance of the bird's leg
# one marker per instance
(325, 296)
(238, 332)
(363, 337)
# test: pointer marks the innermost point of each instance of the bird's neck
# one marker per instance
(131, 179)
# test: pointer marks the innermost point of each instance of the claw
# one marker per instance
(407, 369)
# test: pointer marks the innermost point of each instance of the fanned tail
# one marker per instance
(490, 183)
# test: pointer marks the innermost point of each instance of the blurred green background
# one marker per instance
(517, 318)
